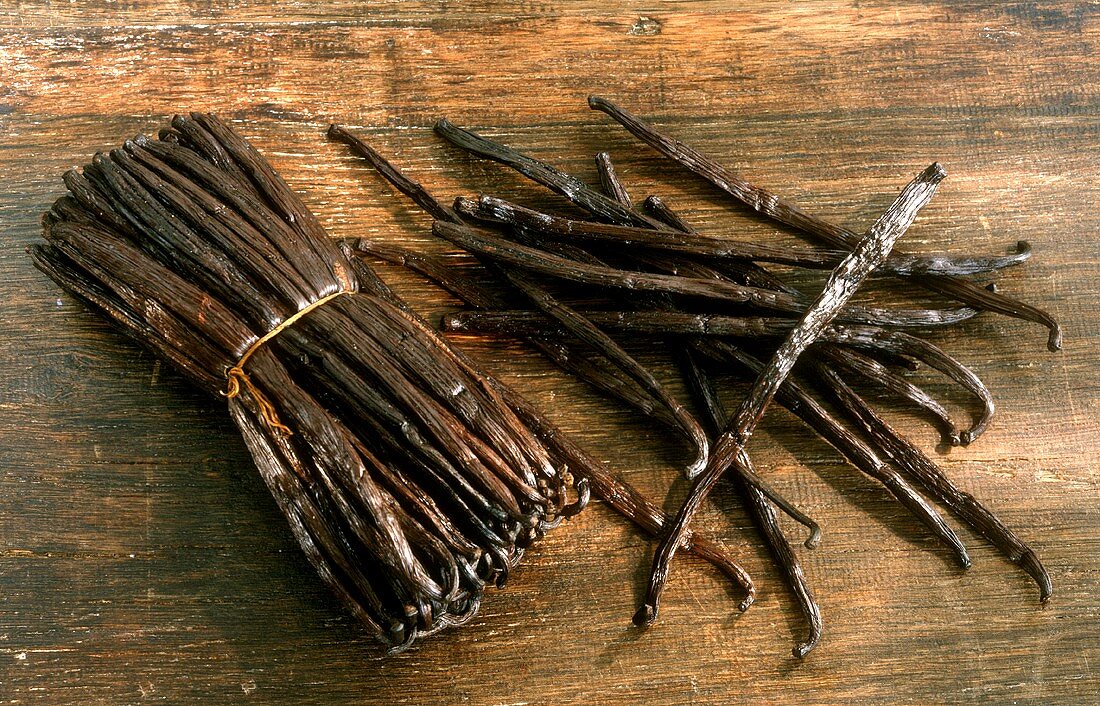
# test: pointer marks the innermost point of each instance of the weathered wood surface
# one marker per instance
(141, 558)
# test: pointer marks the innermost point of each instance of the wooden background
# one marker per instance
(141, 558)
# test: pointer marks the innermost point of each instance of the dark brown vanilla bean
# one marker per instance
(621, 261)
(483, 243)
(613, 187)
(182, 166)
(765, 517)
(469, 289)
(271, 185)
(902, 491)
(406, 186)
(591, 200)
(747, 476)
(489, 208)
(253, 258)
(312, 532)
(623, 497)
(97, 206)
(874, 371)
(620, 495)
(95, 251)
(595, 370)
(928, 474)
(655, 206)
(198, 259)
(842, 284)
(606, 379)
(204, 211)
(901, 343)
(494, 209)
(194, 136)
(771, 205)
(157, 334)
(580, 328)
(480, 462)
(874, 340)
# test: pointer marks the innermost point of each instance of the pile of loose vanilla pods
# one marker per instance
(411, 479)
(578, 290)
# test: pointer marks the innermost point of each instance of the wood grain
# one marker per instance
(141, 558)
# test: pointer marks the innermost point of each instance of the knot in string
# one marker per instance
(236, 376)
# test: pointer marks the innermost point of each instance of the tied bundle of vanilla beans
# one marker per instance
(582, 290)
(411, 479)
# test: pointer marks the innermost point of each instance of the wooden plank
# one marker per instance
(141, 559)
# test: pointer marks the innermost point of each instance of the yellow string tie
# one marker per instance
(236, 376)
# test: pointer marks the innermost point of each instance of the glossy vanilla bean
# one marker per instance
(486, 244)
(607, 208)
(581, 327)
(748, 273)
(489, 208)
(565, 184)
(873, 340)
(877, 373)
(610, 182)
